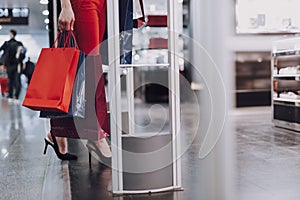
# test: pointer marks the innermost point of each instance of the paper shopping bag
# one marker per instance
(77, 105)
(50, 88)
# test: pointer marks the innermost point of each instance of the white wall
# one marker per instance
(250, 43)
(213, 27)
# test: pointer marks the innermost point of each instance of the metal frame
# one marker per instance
(130, 99)
(115, 97)
(115, 94)
(272, 84)
(174, 96)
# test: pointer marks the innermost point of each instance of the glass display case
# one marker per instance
(150, 45)
(253, 74)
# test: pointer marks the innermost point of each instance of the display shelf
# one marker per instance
(157, 20)
(286, 53)
(286, 75)
(253, 79)
(286, 112)
(287, 100)
(251, 76)
(252, 90)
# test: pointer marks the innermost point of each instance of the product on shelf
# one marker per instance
(289, 95)
(275, 85)
(157, 21)
(158, 43)
(290, 70)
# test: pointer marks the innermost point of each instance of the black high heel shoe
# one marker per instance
(61, 156)
(92, 147)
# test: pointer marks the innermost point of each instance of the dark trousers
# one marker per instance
(14, 82)
(29, 79)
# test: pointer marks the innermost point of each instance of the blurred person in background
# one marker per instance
(11, 59)
(28, 69)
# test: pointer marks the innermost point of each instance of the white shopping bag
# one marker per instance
(137, 10)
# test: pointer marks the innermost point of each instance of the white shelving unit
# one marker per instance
(286, 111)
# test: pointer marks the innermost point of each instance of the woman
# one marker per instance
(87, 19)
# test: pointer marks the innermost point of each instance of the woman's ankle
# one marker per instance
(104, 147)
(49, 137)
(61, 142)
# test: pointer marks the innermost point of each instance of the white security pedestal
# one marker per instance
(145, 173)
(137, 159)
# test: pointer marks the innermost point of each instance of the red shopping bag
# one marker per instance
(3, 85)
(51, 85)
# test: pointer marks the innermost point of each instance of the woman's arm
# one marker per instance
(66, 18)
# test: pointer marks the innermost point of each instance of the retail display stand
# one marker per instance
(286, 83)
(143, 164)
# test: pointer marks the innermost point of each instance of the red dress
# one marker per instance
(89, 29)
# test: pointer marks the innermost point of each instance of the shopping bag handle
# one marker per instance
(57, 38)
(69, 37)
(74, 39)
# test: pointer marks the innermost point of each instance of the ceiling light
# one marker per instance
(45, 12)
(1, 27)
(47, 28)
(46, 21)
(44, 1)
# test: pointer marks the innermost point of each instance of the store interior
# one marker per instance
(239, 104)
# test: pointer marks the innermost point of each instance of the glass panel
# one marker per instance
(150, 44)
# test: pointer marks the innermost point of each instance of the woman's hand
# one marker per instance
(66, 19)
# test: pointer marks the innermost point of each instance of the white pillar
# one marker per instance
(211, 26)
(114, 88)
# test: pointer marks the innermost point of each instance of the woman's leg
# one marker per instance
(89, 30)
(100, 95)
(85, 28)
(90, 27)
(61, 142)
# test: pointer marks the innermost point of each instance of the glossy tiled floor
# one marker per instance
(268, 161)
(268, 157)
(27, 174)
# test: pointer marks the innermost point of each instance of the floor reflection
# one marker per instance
(21, 162)
(26, 172)
(268, 158)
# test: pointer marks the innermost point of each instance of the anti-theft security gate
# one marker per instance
(136, 160)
